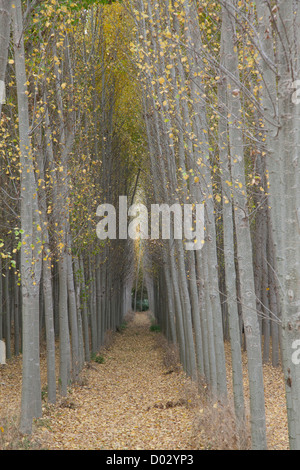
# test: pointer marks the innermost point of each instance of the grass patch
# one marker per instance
(97, 358)
(122, 327)
(154, 326)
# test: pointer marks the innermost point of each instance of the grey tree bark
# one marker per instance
(47, 276)
(30, 251)
(288, 21)
(244, 244)
(228, 241)
(201, 153)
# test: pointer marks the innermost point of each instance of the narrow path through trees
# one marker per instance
(128, 402)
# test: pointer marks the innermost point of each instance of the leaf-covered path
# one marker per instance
(133, 401)
(128, 402)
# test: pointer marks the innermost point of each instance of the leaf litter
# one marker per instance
(135, 401)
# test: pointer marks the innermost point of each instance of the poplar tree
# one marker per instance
(31, 243)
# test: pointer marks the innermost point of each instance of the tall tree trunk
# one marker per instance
(229, 253)
(8, 311)
(47, 284)
(84, 303)
(73, 317)
(30, 257)
(288, 21)
(64, 335)
(244, 244)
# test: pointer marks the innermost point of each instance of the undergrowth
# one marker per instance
(154, 325)
(215, 426)
(12, 439)
(98, 358)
